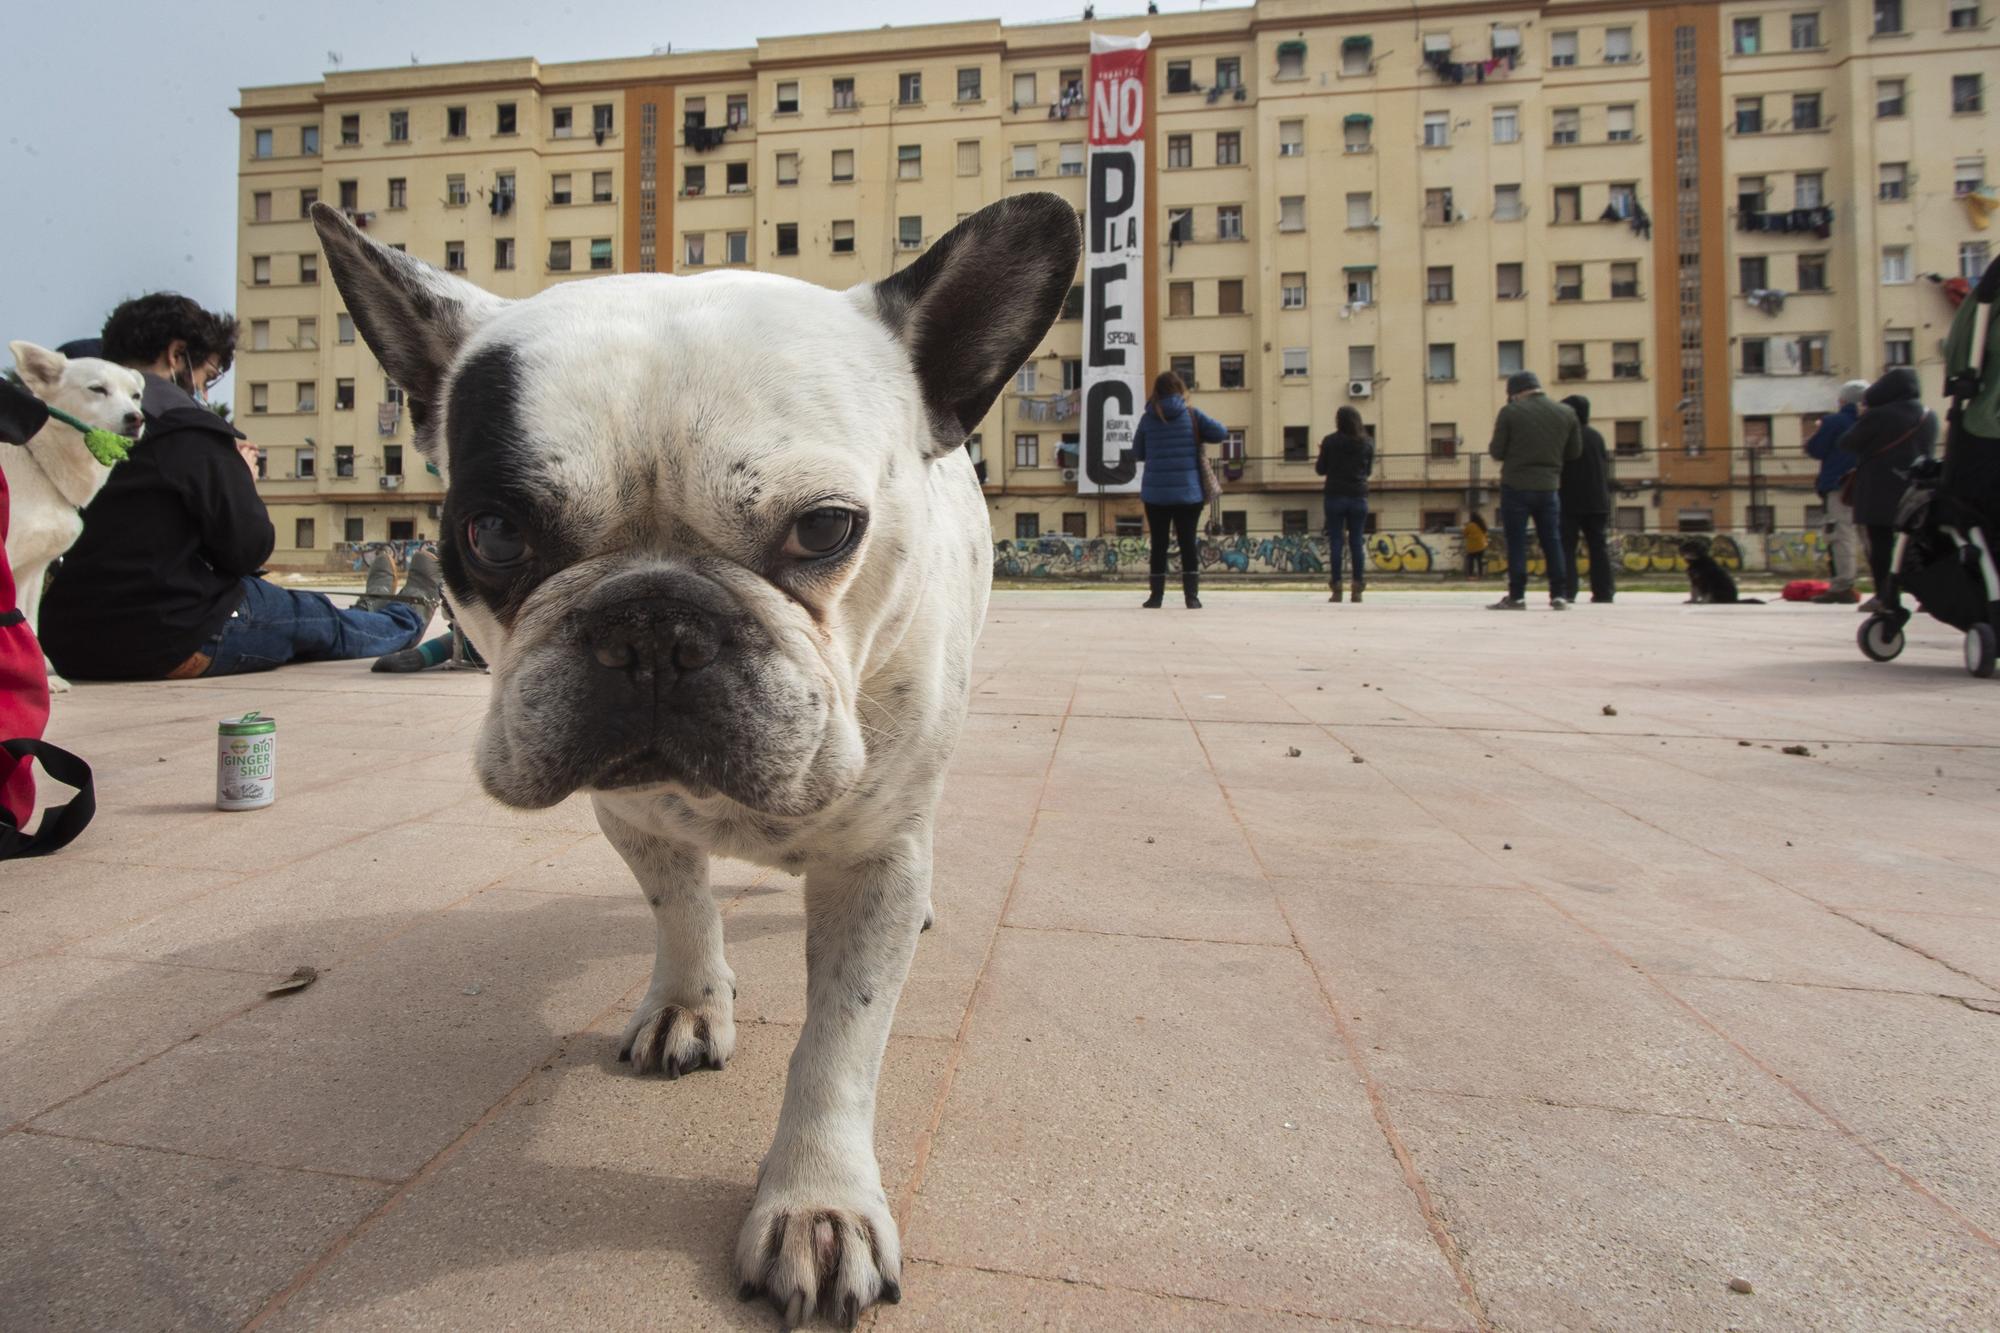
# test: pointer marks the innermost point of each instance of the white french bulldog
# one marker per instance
(719, 541)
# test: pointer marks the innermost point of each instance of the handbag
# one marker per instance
(1847, 482)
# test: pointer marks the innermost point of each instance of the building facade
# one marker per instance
(1702, 216)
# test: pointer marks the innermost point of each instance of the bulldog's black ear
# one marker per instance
(972, 309)
(412, 316)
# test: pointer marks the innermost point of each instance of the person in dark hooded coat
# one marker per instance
(1586, 507)
(1895, 430)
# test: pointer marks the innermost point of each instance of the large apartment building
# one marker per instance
(1702, 216)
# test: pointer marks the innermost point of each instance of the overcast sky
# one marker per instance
(120, 151)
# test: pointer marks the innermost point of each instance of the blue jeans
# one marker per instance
(1545, 507)
(1348, 513)
(276, 625)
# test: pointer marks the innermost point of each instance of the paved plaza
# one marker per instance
(1296, 966)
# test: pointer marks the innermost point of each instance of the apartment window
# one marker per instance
(1437, 129)
(260, 398)
(560, 122)
(1072, 160)
(1625, 363)
(1444, 440)
(910, 233)
(1805, 111)
(1438, 284)
(1180, 150)
(909, 88)
(694, 181)
(260, 206)
(1298, 444)
(559, 256)
(909, 162)
(1024, 90)
(1966, 96)
(1626, 440)
(1361, 361)
(843, 164)
(1812, 354)
(694, 249)
(343, 328)
(1360, 286)
(1963, 14)
(1291, 60)
(1895, 263)
(1442, 363)
(1624, 281)
(1888, 17)
(1024, 378)
(308, 333)
(1236, 523)
(1892, 181)
(968, 85)
(392, 465)
(1568, 125)
(454, 122)
(1507, 203)
(1749, 115)
(1291, 138)
(1292, 291)
(1569, 203)
(1228, 72)
(1888, 98)
(787, 96)
(1229, 222)
(1512, 356)
(1506, 124)
(843, 237)
(1228, 148)
(788, 168)
(1075, 523)
(309, 140)
(343, 466)
(1756, 360)
(260, 270)
(1229, 296)
(1360, 210)
(1025, 163)
(1968, 174)
(1629, 518)
(1292, 213)
(1748, 36)
(736, 247)
(1356, 132)
(343, 395)
(399, 192)
(601, 119)
(1027, 451)
(454, 256)
(1183, 368)
(1297, 363)
(399, 127)
(1356, 56)
(308, 269)
(1972, 260)
(788, 238)
(600, 182)
(350, 129)
(1812, 273)
(1805, 32)
(1896, 348)
(307, 198)
(1571, 363)
(737, 110)
(1073, 303)
(1027, 526)
(600, 254)
(1562, 49)
(262, 141)
(1180, 298)
(1617, 46)
(350, 195)
(1569, 282)
(1072, 375)
(1620, 123)
(559, 188)
(503, 253)
(843, 95)
(454, 192)
(1507, 282)
(302, 528)
(1230, 371)
(1753, 272)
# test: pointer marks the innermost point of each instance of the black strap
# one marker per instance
(60, 824)
(14, 617)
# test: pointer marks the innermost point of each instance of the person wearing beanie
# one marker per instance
(1835, 463)
(1586, 508)
(1533, 437)
(1895, 430)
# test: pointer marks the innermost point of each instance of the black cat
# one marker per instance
(1710, 582)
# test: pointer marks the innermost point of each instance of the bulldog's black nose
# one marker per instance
(653, 637)
(132, 419)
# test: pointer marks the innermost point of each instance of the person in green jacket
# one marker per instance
(1532, 438)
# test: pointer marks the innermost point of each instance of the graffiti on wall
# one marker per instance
(1635, 553)
(356, 555)
(1803, 552)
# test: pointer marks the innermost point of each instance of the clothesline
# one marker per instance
(1458, 71)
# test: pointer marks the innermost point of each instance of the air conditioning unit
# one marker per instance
(388, 483)
(1069, 474)
(1360, 388)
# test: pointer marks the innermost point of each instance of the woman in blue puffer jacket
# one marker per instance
(1168, 441)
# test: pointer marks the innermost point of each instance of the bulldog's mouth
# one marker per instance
(647, 766)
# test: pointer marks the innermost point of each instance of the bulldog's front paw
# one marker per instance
(676, 1037)
(57, 685)
(831, 1252)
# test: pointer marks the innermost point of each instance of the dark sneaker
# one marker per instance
(1870, 607)
(1508, 604)
(1558, 604)
(1847, 597)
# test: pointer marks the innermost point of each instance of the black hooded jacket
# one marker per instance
(1586, 479)
(164, 550)
(1893, 433)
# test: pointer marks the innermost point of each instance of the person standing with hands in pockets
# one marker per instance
(1346, 458)
(1168, 441)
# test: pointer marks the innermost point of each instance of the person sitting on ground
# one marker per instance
(1346, 458)
(1475, 546)
(1533, 436)
(1586, 508)
(1894, 431)
(163, 583)
(1834, 465)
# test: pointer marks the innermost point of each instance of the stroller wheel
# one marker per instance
(1881, 638)
(1980, 644)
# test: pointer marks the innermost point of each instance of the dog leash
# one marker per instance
(107, 447)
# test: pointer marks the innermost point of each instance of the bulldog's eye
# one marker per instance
(100, 390)
(819, 534)
(495, 541)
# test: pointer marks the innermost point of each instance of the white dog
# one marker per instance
(720, 544)
(55, 476)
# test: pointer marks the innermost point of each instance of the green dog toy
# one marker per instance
(107, 447)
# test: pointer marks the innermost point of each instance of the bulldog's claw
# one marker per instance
(830, 1262)
(672, 1039)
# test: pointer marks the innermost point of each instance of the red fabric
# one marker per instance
(1804, 590)
(24, 691)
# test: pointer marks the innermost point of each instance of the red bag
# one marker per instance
(1804, 590)
(24, 715)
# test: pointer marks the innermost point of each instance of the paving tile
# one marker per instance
(48, 901)
(936, 1296)
(1968, 945)
(105, 1237)
(1098, 1068)
(1577, 1218)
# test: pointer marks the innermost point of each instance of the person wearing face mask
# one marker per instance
(163, 583)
